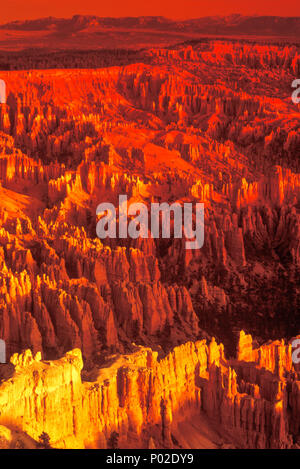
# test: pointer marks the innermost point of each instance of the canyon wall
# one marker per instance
(213, 123)
(255, 398)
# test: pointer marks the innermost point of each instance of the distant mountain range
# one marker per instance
(233, 24)
(87, 31)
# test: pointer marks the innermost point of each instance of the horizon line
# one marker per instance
(174, 19)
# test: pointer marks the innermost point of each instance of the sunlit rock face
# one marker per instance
(134, 319)
(253, 399)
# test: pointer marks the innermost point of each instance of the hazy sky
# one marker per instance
(27, 9)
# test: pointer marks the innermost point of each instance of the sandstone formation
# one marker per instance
(189, 123)
(253, 398)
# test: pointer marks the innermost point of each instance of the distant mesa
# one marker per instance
(86, 31)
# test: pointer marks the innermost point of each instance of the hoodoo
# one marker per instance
(177, 327)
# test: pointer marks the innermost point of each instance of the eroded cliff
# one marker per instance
(251, 401)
